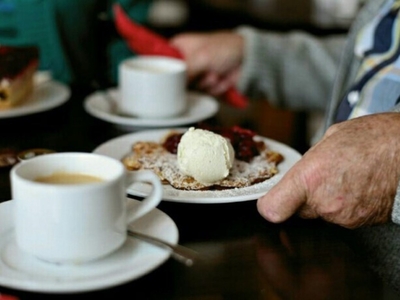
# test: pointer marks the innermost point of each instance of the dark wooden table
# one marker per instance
(247, 257)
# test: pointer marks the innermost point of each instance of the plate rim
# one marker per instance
(92, 99)
(39, 105)
(122, 140)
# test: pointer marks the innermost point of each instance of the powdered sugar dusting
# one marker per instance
(120, 147)
(153, 156)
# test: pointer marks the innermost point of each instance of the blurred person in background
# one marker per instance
(76, 39)
(351, 175)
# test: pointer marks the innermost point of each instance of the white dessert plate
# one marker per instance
(119, 147)
(135, 258)
(46, 95)
(102, 105)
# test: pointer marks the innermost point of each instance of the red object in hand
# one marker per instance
(143, 41)
(235, 98)
(140, 39)
(7, 297)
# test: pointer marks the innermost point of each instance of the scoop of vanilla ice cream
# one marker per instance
(204, 155)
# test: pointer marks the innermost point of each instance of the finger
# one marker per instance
(208, 81)
(306, 212)
(221, 85)
(220, 88)
(198, 63)
(284, 199)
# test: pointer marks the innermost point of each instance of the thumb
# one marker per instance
(284, 199)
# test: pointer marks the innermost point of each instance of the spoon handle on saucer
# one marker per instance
(180, 253)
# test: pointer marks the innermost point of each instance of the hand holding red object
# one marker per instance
(144, 41)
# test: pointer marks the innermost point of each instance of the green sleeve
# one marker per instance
(117, 48)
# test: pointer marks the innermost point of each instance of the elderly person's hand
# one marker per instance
(213, 59)
(349, 178)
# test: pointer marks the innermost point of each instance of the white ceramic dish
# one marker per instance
(102, 106)
(120, 146)
(134, 259)
(46, 95)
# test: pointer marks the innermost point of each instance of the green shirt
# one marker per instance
(76, 39)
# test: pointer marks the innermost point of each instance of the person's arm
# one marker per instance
(293, 70)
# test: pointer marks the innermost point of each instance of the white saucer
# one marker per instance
(46, 96)
(200, 108)
(19, 270)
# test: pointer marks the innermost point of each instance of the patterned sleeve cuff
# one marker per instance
(396, 207)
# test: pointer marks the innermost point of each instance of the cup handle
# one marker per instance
(149, 202)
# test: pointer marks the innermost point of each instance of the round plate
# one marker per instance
(102, 105)
(119, 147)
(46, 95)
(134, 259)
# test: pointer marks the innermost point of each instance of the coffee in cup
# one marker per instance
(71, 208)
(68, 178)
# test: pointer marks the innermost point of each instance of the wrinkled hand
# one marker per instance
(349, 178)
(213, 59)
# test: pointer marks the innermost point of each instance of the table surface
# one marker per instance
(247, 257)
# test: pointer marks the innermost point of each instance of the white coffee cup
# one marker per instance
(152, 87)
(75, 222)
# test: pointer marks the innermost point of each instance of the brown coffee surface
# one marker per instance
(68, 178)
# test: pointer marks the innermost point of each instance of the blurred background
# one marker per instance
(78, 42)
(280, 14)
(319, 17)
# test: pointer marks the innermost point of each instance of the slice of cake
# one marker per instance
(17, 67)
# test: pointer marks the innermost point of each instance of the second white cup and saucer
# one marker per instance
(64, 238)
(151, 94)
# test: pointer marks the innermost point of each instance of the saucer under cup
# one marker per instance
(73, 223)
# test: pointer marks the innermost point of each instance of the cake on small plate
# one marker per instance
(17, 68)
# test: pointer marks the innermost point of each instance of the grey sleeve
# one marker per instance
(293, 70)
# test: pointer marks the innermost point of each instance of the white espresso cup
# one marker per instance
(152, 87)
(71, 208)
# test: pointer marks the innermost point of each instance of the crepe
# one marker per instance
(149, 155)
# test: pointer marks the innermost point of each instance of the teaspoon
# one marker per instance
(180, 253)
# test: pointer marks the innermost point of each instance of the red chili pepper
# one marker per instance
(143, 41)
